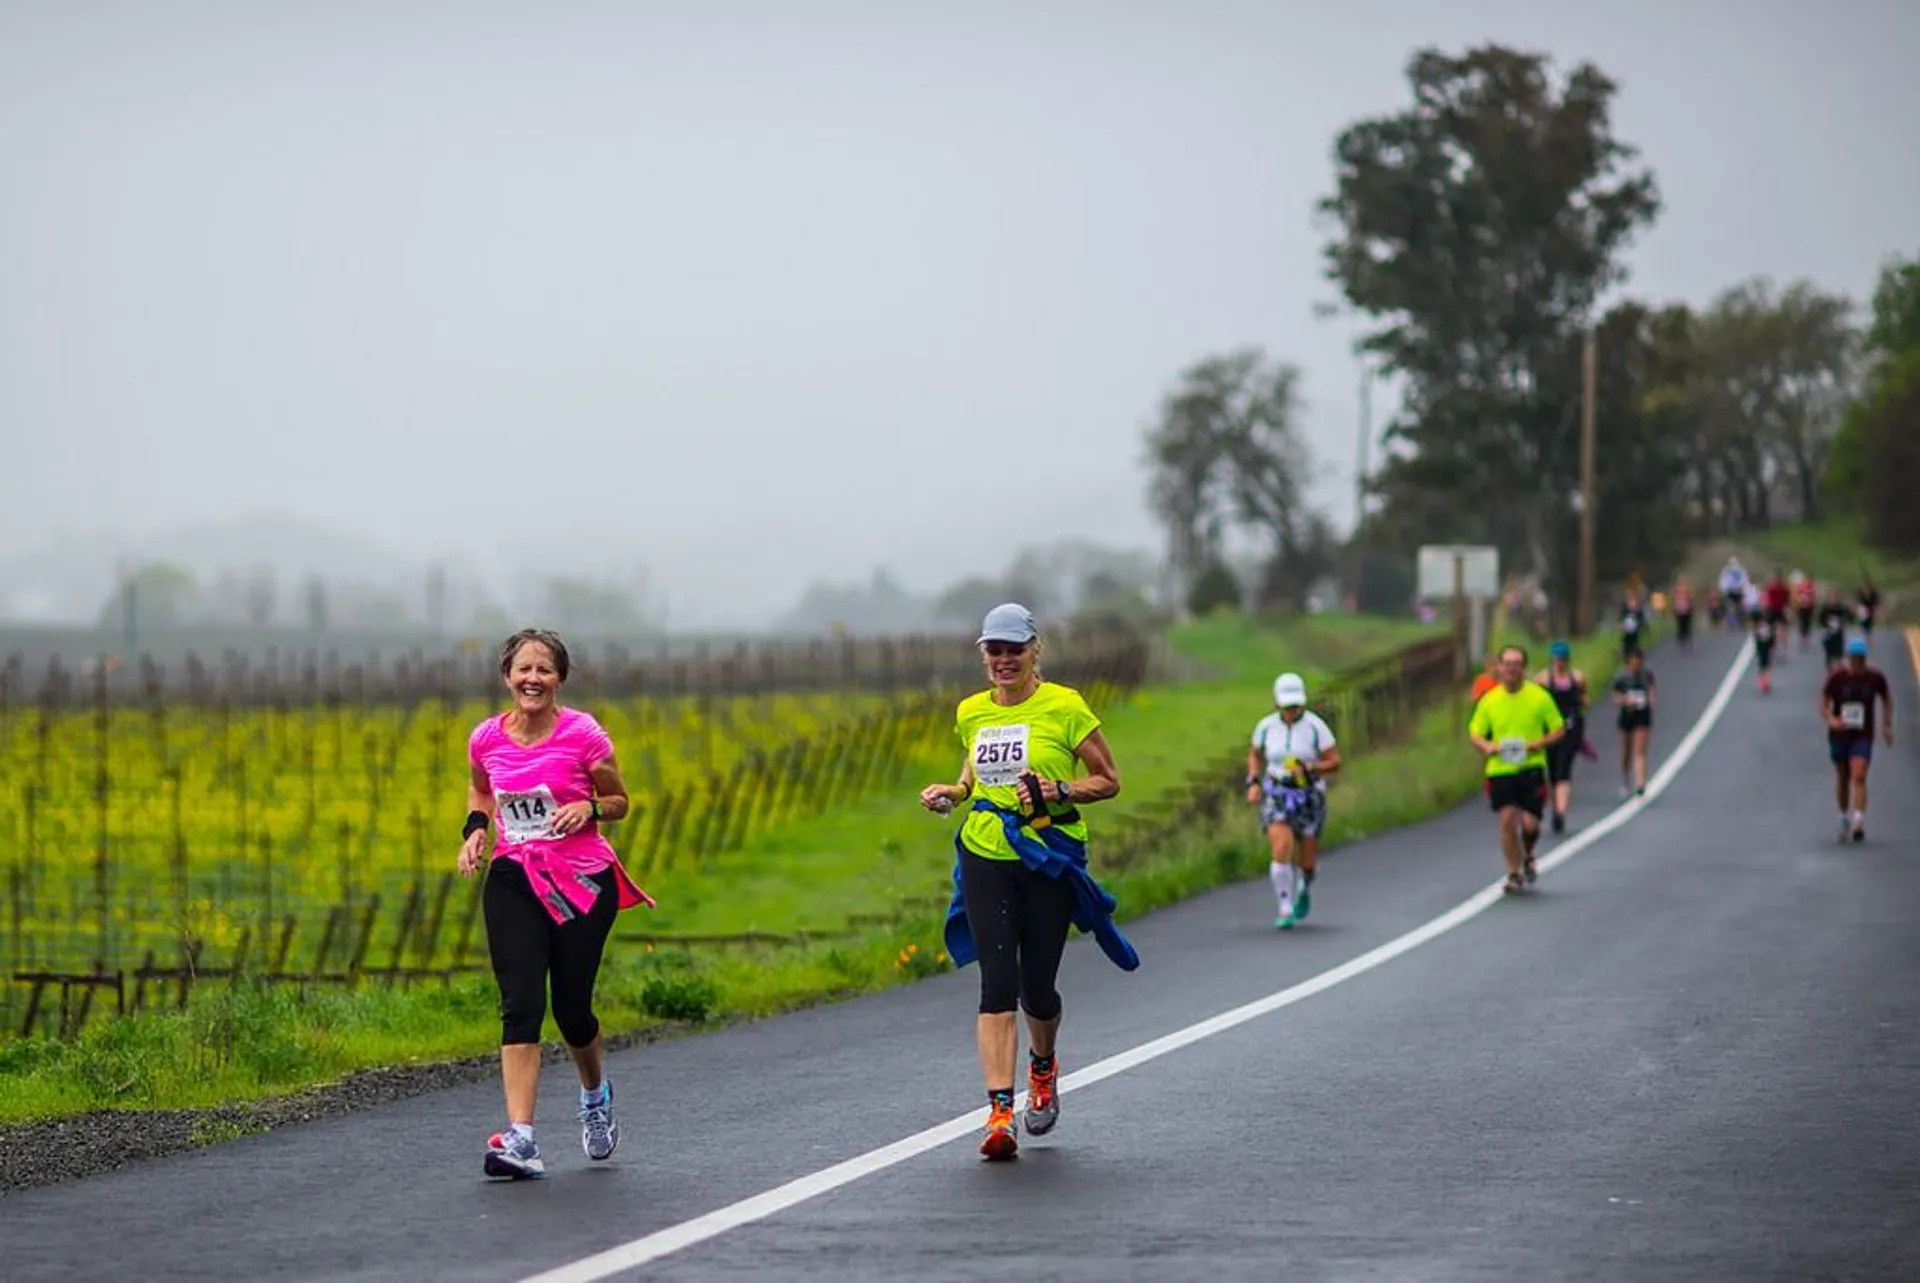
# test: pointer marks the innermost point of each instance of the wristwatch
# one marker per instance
(1066, 795)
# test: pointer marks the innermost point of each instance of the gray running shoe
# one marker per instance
(511, 1157)
(599, 1133)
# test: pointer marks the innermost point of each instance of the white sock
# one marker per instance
(1281, 876)
(522, 1131)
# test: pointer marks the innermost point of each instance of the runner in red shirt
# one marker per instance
(1683, 613)
(1847, 704)
(1775, 597)
(1805, 599)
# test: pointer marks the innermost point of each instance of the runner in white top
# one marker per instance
(1291, 754)
(1733, 587)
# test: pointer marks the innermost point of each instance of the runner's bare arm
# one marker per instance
(473, 847)
(1329, 762)
(609, 790)
(1102, 779)
(480, 791)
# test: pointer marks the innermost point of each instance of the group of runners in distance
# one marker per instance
(544, 777)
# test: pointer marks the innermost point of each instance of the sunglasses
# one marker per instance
(997, 649)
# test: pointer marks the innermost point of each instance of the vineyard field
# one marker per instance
(149, 832)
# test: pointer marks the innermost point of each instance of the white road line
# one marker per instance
(660, 1243)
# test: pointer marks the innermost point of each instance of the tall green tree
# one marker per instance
(1893, 331)
(1777, 369)
(1477, 228)
(1895, 328)
(1889, 425)
(1227, 453)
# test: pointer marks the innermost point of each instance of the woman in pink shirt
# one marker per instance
(544, 777)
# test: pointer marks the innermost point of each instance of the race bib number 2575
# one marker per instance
(999, 755)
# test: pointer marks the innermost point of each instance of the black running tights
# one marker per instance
(1019, 921)
(527, 946)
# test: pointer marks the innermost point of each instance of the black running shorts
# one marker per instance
(1525, 789)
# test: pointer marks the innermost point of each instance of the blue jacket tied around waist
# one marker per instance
(1058, 856)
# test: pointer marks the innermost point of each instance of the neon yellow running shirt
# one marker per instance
(1039, 734)
(1526, 714)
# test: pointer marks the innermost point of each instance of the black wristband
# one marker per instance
(593, 805)
(476, 821)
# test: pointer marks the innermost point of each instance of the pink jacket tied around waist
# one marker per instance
(530, 783)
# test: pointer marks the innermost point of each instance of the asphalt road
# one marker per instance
(1689, 1054)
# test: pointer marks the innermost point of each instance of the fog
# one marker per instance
(731, 298)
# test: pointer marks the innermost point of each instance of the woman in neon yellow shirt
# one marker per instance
(1020, 876)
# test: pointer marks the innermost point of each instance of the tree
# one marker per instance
(1895, 328)
(965, 604)
(1183, 459)
(159, 595)
(1893, 331)
(587, 607)
(1779, 370)
(1889, 425)
(1214, 588)
(1477, 228)
(1228, 452)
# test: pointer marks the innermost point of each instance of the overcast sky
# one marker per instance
(760, 291)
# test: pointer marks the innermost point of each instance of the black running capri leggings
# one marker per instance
(1019, 921)
(528, 947)
(1561, 754)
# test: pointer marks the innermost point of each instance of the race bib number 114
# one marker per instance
(526, 817)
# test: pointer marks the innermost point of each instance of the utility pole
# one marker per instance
(1589, 376)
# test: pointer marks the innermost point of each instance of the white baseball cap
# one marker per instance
(1008, 622)
(1289, 691)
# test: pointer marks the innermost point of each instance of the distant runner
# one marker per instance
(1752, 604)
(1869, 609)
(1765, 634)
(1806, 601)
(1292, 753)
(1775, 598)
(1637, 694)
(1733, 588)
(1020, 872)
(1513, 725)
(1633, 624)
(1683, 614)
(1835, 615)
(1488, 679)
(1847, 705)
(1568, 686)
